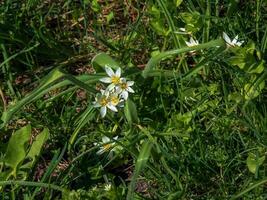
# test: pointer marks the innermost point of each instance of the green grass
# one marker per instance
(195, 127)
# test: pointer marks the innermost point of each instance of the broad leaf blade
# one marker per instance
(130, 112)
(36, 147)
(16, 149)
(102, 60)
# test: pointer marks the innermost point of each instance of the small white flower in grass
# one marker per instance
(107, 187)
(232, 43)
(124, 88)
(114, 78)
(103, 101)
(106, 145)
(115, 99)
(192, 42)
(182, 31)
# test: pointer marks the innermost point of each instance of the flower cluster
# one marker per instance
(230, 43)
(116, 92)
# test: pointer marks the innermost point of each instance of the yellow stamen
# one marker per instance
(103, 101)
(123, 86)
(114, 100)
(115, 79)
(106, 147)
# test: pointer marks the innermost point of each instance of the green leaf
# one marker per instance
(178, 2)
(152, 63)
(16, 149)
(139, 166)
(45, 83)
(130, 112)
(83, 119)
(110, 16)
(36, 148)
(251, 187)
(251, 91)
(102, 59)
(52, 81)
(95, 6)
(253, 162)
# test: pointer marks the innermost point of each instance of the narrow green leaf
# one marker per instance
(255, 185)
(178, 2)
(152, 63)
(85, 117)
(139, 166)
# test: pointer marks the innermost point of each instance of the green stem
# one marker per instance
(32, 184)
(155, 60)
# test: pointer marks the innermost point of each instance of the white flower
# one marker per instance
(182, 31)
(103, 101)
(106, 145)
(115, 100)
(192, 42)
(114, 78)
(107, 187)
(124, 88)
(232, 43)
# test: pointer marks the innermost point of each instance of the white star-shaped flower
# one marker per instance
(232, 43)
(113, 78)
(124, 87)
(103, 101)
(115, 99)
(192, 42)
(106, 145)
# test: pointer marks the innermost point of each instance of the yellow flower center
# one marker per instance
(114, 100)
(103, 101)
(115, 79)
(106, 147)
(123, 86)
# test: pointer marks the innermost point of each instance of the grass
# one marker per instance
(195, 127)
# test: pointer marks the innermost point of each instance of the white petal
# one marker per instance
(105, 139)
(124, 95)
(235, 39)
(188, 43)
(130, 90)
(118, 72)
(109, 71)
(121, 104)
(96, 105)
(106, 93)
(239, 43)
(130, 83)
(105, 80)
(226, 38)
(112, 107)
(111, 87)
(182, 29)
(115, 138)
(96, 144)
(192, 41)
(103, 111)
(101, 151)
(118, 90)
